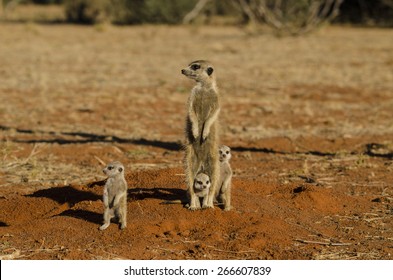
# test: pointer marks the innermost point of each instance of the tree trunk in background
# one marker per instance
(196, 11)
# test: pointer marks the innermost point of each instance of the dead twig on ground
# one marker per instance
(33, 152)
(140, 208)
(12, 256)
(100, 161)
(323, 243)
(232, 252)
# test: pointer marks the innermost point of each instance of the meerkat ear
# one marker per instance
(209, 70)
(120, 169)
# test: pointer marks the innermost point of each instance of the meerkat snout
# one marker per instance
(225, 153)
(198, 70)
(205, 185)
(113, 169)
(202, 184)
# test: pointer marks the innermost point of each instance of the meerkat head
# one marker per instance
(225, 153)
(200, 71)
(201, 182)
(113, 169)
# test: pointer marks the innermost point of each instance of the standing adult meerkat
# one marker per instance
(115, 195)
(224, 186)
(202, 130)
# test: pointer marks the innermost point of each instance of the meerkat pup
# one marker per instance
(115, 195)
(224, 186)
(201, 188)
(201, 130)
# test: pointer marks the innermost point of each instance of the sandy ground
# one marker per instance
(309, 121)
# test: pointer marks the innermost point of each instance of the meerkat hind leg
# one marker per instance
(123, 222)
(226, 200)
(104, 226)
(193, 166)
(209, 203)
(204, 201)
(107, 219)
(122, 214)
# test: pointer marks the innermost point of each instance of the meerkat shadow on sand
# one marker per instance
(93, 217)
(66, 194)
(82, 137)
(67, 197)
(156, 193)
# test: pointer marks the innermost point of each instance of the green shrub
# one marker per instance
(46, 2)
(169, 11)
(150, 11)
(127, 11)
(87, 11)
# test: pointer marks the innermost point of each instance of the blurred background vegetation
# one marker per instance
(288, 16)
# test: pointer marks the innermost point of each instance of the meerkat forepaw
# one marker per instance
(195, 132)
(228, 208)
(205, 134)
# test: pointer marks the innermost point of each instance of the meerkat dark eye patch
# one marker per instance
(195, 67)
(120, 169)
(207, 182)
(209, 70)
(110, 167)
(227, 152)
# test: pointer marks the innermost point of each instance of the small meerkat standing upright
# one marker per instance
(115, 195)
(224, 187)
(201, 188)
(202, 130)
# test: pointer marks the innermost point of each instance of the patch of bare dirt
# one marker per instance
(270, 221)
